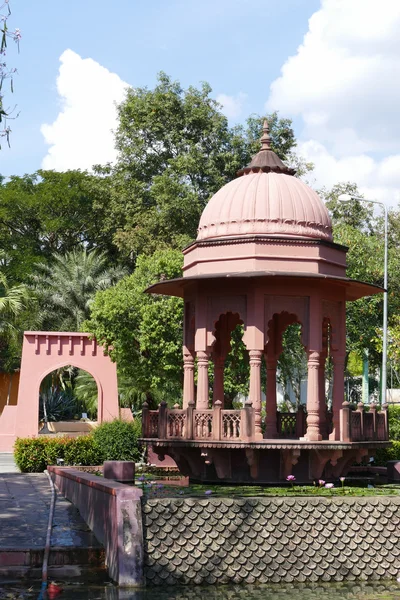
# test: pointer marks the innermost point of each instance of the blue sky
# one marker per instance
(331, 65)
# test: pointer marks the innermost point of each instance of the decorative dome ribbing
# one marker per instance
(265, 199)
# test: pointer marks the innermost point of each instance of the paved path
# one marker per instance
(7, 464)
(24, 513)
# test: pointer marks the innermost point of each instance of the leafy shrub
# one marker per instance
(384, 454)
(118, 440)
(32, 455)
(82, 451)
(394, 422)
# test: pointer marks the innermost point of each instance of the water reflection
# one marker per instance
(387, 590)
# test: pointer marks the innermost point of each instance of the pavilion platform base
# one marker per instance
(264, 462)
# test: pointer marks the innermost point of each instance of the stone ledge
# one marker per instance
(99, 483)
(264, 444)
(112, 510)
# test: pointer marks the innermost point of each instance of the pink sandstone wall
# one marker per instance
(114, 514)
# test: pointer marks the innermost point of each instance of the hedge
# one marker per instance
(383, 455)
(114, 440)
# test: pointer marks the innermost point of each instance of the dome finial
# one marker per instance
(266, 138)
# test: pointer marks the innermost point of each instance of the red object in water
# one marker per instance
(53, 591)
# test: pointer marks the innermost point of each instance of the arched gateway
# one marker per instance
(45, 351)
(264, 257)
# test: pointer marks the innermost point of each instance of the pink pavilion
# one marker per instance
(264, 257)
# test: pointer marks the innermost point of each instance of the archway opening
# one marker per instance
(292, 370)
(67, 394)
(230, 362)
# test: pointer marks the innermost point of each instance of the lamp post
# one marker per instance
(348, 198)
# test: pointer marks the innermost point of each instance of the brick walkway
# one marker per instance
(24, 513)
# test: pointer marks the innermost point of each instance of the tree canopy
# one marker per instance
(66, 286)
(90, 243)
(175, 149)
(143, 332)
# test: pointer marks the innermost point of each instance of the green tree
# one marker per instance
(65, 288)
(355, 213)
(143, 332)
(49, 212)
(14, 300)
(356, 226)
(176, 149)
(292, 363)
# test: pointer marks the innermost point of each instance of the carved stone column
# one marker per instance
(271, 408)
(202, 380)
(255, 390)
(337, 394)
(322, 402)
(218, 390)
(313, 398)
(188, 378)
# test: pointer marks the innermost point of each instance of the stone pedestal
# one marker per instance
(393, 470)
(119, 470)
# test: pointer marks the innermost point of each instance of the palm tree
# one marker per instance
(65, 287)
(13, 300)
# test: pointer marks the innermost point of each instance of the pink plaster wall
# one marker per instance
(8, 419)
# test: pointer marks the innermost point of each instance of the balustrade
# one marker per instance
(230, 425)
(215, 423)
(363, 426)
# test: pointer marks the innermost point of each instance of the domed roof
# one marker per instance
(265, 200)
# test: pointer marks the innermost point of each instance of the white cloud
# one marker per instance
(232, 106)
(344, 83)
(377, 179)
(81, 134)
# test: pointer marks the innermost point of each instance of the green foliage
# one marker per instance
(354, 364)
(117, 440)
(143, 332)
(355, 214)
(49, 212)
(358, 227)
(14, 302)
(65, 288)
(176, 149)
(237, 368)
(382, 455)
(394, 423)
(56, 404)
(82, 450)
(86, 393)
(292, 363)
(32, 455)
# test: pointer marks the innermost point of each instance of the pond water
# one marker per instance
(384, 590)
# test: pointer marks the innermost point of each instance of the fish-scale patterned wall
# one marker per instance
(263, 540)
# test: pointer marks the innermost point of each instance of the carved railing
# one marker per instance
(152, 424)
(238, 425)
(363, 426)
(286, 424)
(203, 424)
(291, 425)
(193, 424)
(231, 420)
